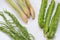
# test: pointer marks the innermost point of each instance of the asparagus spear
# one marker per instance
(30, 8)
(24, 32)
(10, 27)
(21, 13)
(24, 7)
(41, 13)
(48, 16)
(9, 33)
(21, 34)
(54, 23)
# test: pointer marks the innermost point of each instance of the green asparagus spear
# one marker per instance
(41, 13)
(8, 32)
(10, 27)
(24, 32)
(48, 16)
(54, 23)
(21, 34)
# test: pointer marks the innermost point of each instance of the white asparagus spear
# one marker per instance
(30, 8)
(21, 13)
(23, 7)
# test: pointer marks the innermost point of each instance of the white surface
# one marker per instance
(32, 25)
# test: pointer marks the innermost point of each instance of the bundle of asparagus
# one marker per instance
(13, 28)
(23, 7)
(49, 25)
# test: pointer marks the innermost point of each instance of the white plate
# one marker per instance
(32, 25)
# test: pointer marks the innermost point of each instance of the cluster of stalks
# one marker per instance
(47, 22)
(23, 7)
(13, 28)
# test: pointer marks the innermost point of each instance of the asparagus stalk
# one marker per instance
(22, 29)
(54, 23)
(24, 7)
(21, 13)
(21, 34)
(8, 32)
(10, 27)
(48, 16)
(41, 13)
(30, 8)
(11, 33)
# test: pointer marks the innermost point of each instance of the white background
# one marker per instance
(32, 25)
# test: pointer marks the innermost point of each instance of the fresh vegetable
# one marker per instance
(48, 16)
(14, 29)
(8, 32)
(21, 13)
(41, 13)
(49, 23)
(30, 8)
(54, 23)
(24, 7)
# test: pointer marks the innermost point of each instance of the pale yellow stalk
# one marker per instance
(30, 8)
(21, 13)
(23, 7)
